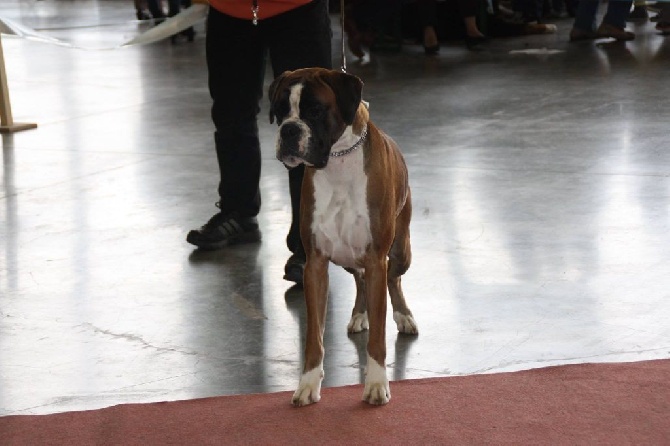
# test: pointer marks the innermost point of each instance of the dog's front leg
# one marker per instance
(377, 390)
(315, 285)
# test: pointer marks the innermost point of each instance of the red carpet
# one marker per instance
(624, 403)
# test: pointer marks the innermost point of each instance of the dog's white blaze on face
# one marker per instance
(294, 118)
(341, 222)
(294, 102)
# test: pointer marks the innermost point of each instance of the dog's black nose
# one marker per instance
(289, 131)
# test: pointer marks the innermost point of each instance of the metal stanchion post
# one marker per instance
(7, 124)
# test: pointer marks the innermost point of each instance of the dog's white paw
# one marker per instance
(405, 323)
(358, 322)
(377, 390)
(309, 389)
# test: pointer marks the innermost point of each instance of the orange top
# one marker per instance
(266, 8)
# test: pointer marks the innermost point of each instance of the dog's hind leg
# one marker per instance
(359, 315)
(400, 257)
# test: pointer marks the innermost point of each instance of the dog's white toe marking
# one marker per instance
(377, 390)
(358, 322)
(405, 323)
(309, 389)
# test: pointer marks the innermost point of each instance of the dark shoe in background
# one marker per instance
(607, 30)
(431, 44)
(475, 43)
(295, 268)
(663, 27)
(638, 14)
(142, 15)
(187, 34)
(577, 35)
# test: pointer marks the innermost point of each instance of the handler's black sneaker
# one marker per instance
(295, 268)
(225, 229)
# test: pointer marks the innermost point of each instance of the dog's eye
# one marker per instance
(280, 111)
(314, 112)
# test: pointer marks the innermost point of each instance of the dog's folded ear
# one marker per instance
(349, 91)
(273, 93)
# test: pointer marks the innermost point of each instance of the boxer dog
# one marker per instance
(355, 211)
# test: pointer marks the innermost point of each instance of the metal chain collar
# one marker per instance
(358, 143)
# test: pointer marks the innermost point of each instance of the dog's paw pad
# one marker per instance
(406, 323)
(377, 394)
(377, 390)
(309, 389)
(304, 397)
(358, 323)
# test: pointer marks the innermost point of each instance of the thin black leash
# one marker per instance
(343, 65)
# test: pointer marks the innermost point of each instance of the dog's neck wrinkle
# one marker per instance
(361, 118)
(348, 139)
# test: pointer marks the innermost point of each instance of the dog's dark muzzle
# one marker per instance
(289, 142)
(290, 132)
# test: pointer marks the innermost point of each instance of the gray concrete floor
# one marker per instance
(540, 234)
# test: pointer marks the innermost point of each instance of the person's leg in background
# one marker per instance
(156, 10)
(639, 12)
(613, 24)
(174, 8)
(300, 38)
(469, 10)
(616, 15)
(427, 15)
(584, 26)
(140, 10)
(530, 10)
(663, 23)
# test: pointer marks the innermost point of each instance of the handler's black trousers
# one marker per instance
(237, 51)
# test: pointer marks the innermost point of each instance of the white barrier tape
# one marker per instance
(171, 26)
(12, 28)
(185, 19)
(537, 51)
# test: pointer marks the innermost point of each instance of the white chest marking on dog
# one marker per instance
(341, 222)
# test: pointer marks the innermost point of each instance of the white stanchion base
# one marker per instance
(17, 127)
